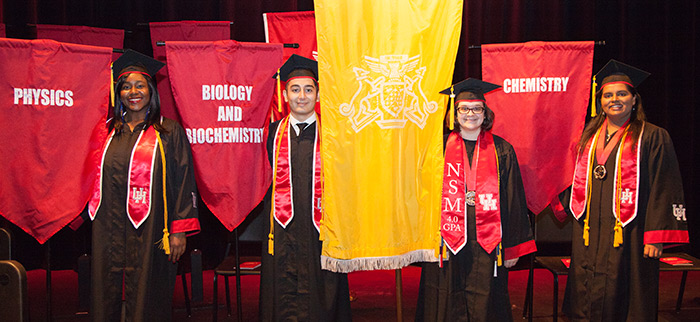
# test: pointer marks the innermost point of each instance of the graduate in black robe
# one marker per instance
(122, 254)
(471, 285)
(293, 287)
(620, 283)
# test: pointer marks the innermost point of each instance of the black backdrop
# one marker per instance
(658, 36)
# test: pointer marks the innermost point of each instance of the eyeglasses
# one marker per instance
(465, 110)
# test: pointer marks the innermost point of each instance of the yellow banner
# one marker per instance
(381, 66)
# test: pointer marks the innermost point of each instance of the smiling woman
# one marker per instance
(484, 223)
(625, 192)
(143, 202)
(135, 95)
(617, 103)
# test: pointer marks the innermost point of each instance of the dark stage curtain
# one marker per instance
(658, 36)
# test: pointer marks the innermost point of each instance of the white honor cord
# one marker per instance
(495, 269)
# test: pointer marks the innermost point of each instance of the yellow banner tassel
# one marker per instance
(271, 236)
(452, 109)
(594, 86)
(164, 243)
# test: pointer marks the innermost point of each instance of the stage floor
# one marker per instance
(374, 296)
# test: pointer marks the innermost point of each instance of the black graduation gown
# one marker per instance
(619, 284)
(292, 286)
(119, 251)
(465, 289)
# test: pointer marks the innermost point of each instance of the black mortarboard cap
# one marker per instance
(131, 58)
(298, 66)
(616, 71)
(471, 85)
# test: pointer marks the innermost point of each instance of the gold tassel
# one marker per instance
(271, 244)
(279, 92)
(594, 112)
(164, 243)
(111, 85)
(617, 239)
(452, 108)
(500, 254)
(586, 228)
(440, 251)
(271, 236)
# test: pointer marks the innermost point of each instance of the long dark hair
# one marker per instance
(637, 118)
(153, 115)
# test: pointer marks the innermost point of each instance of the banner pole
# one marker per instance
(48, 280)
(597, 43)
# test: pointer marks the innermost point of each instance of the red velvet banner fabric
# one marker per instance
(181, 31)
(541, 109)
(83, 35)
(297, 27)
(222, 90)
(53, 99)
(113, 38)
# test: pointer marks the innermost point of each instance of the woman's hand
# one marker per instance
(178, 243)
(653, 250)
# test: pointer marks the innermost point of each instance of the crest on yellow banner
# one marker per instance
(389, 93)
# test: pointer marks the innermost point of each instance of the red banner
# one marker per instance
(298, 27)
(222, 90)
(181, 31)
(541, 109)
(82, 35)
(53, 100)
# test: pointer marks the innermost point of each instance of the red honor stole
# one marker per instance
(626, 174)
(482, 178)
(140, 181)
(283, 204)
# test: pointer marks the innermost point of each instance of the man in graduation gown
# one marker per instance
(293, 287)
(132, 217)
(473, 284)
(627, 198)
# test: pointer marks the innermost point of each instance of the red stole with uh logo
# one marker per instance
(139, 193)
(458, 181)
(283, 207)
(626, 176)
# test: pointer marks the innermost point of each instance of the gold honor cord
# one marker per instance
(591, 159)
(164, 243)
(617, 239)
(271, 237)
(500, 245)
(593, 107)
